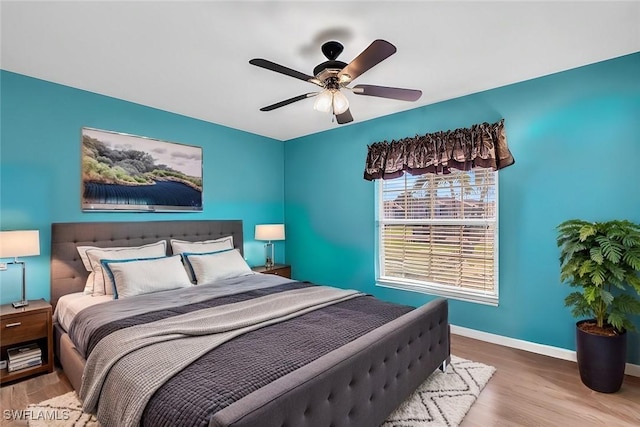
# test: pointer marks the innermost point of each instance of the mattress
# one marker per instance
(71, 304)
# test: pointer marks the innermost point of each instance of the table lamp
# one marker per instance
(269, 232)
(14, 244)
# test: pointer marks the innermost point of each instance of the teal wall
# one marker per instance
(575, 136)
(40, 168)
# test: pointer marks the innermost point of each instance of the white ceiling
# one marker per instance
(192, 58)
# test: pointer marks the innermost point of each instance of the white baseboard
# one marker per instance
(547, 350)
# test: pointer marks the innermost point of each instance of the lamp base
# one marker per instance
(268, 263)
(19, 304)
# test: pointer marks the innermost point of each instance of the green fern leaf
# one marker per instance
(573, 248)
(596, 254)
(580, 306)
(610, 249)
(617, 233)
(571, 226)
(586, 231)
(617, 320)
(628, 325)
(630, 240)
(603, 241)
(619, 250)
(586, 268)
(591, 294)
(632, 258)
(634, 281)
(598, 275)
(618, 273)
(626, 304)
(574, 298)
(606, 296)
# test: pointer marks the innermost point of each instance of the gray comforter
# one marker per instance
(88, 321)
(128, 366)
(207, 380)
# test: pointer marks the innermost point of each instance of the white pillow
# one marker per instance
(102, 284)
(136, 277)
(205, 246)
(82, 250)
(209, 268)
(88, 286)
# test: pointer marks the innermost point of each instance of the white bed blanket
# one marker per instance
(71, 304)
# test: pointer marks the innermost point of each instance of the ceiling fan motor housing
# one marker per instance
(328, 69)
(331, 49)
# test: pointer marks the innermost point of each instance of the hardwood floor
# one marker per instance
(527, 390)
(17, 395)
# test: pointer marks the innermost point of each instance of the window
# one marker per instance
(438, 234)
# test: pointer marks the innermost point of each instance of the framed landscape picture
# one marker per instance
(128, 172)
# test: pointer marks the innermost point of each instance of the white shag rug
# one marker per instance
(442, 400)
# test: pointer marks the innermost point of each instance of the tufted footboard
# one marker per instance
(359, 384)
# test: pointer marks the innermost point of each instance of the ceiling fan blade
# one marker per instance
(345, 117)
(377, 52)
(263, 63)
(288, 101)
(388, 92)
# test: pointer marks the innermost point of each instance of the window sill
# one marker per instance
(462, 295)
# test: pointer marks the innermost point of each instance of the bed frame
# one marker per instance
(359, 384)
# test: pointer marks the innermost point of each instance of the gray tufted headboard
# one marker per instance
(67, 271)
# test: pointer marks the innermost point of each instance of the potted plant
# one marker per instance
(603, 259)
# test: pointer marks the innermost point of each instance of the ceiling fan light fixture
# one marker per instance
(331, 101)
(340, 103)
(344, 78)
(324, 101)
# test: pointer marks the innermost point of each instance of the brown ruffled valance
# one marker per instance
(483, 145)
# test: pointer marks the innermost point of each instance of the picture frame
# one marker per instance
(123, 172)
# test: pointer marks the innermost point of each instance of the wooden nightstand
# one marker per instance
(25, 325)
(278, 269)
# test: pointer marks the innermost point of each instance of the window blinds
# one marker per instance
(440, 230)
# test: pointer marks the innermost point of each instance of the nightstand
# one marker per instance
(22, 326)
(278, 269)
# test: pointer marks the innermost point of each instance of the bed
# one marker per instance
(358, 382)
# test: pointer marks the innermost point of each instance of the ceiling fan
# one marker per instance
(333, 76)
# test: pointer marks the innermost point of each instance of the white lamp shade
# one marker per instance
(323, 101)
(340, 103)
(270, 232)
(15, 244)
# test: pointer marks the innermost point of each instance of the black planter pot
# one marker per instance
(601, 359)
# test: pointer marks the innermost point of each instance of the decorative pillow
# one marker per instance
(102, 284)
(82, 250)
(88, 286)
(211, 267)
(142, 276)
(205, 246)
